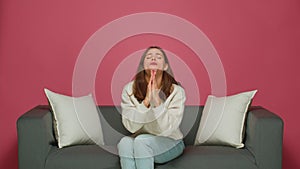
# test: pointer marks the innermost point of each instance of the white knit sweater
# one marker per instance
(163, 120)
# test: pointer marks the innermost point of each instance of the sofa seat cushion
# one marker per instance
(208, 157)
(81, 157)
(204, 157)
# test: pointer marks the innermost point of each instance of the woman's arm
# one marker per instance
(134, 114)
(171, 113)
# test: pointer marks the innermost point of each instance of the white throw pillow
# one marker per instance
(76, 119)
(222, 121)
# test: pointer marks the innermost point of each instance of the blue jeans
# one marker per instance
(144, 150)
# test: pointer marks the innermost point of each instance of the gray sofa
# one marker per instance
(37, 148)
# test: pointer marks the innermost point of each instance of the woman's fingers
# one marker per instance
(152, 90)
(152, 76)
(153, 80)
(149, 88)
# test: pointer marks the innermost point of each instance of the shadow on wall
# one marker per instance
(289, 160)
(10, 159)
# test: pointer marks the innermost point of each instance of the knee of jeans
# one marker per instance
(141, 149)
(142, 140)
(125, 142)
(142, 146)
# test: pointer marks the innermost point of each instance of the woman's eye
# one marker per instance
(158, 56)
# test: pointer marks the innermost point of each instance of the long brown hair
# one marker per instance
(140, 82)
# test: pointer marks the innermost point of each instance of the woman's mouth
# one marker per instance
(153, 63)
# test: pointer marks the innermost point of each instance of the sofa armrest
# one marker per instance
(35, 137)
(264, 135)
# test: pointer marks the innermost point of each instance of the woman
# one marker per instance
(152, 109)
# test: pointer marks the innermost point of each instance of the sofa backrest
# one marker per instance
(113, 129)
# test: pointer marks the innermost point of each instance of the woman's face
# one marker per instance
(155, 60)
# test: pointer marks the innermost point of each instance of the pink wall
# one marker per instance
(257, 42)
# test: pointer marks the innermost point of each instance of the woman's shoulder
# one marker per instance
(176, 88)
(176, 92)
(128, 87)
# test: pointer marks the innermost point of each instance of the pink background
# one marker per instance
(257, 42)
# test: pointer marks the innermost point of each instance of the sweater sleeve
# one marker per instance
(134, 114)
(170, 115)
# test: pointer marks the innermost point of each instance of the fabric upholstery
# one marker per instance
(38, 148)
